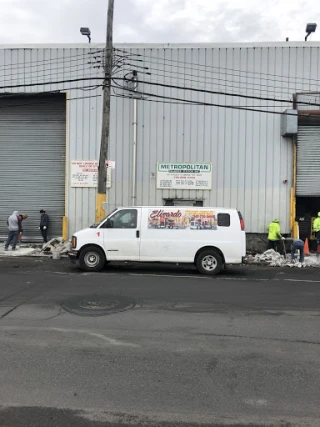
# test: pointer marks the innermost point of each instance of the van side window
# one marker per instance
(126, 218)
(223, 220)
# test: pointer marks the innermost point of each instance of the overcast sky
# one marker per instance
(170, 21)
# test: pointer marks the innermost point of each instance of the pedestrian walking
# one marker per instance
(44, 225)
(14, 228)
(274, 236)
(21, 217)
(297, 244)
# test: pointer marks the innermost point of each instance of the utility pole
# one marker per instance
(101, 198)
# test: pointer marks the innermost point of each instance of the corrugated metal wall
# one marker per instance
(32, 161)
(250, 158)
(308, 161)
(74, 70)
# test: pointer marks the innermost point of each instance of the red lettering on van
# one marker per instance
(162, 214)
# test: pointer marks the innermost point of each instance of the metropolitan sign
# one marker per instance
(184, 176)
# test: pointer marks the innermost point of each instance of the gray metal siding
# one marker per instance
(32, 161)
(250, 158)
(308, 161)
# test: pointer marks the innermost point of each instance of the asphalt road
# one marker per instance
(240, 349)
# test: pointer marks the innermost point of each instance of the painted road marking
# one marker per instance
(111, 341)
(302, 280)
(170, 275)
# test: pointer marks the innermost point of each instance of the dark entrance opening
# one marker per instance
(307, 209)
(182, 202)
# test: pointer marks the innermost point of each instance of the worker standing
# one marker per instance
(44, 224)
(316, 228)
(274, 236)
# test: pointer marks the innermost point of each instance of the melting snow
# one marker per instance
(274, 259)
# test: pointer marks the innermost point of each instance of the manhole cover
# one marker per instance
(97, 305)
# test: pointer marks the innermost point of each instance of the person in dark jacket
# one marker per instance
(44, 225)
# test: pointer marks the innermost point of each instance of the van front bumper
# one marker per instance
(74, 256)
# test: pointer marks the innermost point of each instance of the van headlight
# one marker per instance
(74, 242)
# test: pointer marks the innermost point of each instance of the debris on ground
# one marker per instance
(274, 259)
(56, 246)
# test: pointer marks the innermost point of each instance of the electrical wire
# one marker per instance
(218, 81)
(205, 91)
(212, 82)
(184, 88)
(85, 72)
(239, 85)
(28, 104)
(52, 82)
(42, 62)
(176, 103)
(194, 65)
(232, 107)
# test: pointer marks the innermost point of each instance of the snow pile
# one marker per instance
(274, 259)
(312, 261)
(271, 257)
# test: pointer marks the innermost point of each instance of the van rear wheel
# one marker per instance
(209, 262)
(92, 258)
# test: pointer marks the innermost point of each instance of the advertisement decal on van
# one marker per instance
(182, 219)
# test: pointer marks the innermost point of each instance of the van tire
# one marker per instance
(209, 262)
(92, 258)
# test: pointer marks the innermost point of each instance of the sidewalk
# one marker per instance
(18, 252)
(56, 247)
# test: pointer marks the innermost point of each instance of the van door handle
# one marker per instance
(137, 234)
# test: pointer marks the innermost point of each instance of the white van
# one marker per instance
(138, 234)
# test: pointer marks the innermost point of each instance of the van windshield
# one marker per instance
(100, 222)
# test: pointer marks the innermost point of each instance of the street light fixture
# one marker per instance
(310, 28)
(85, 31)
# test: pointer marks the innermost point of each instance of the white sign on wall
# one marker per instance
(184, 176)
(84, 174)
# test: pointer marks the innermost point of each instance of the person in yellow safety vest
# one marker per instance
(274, 236)
(316, 228)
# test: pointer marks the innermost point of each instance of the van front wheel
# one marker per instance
(92, 259)
(209, 262)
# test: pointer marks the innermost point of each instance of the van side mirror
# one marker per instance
(109, 223)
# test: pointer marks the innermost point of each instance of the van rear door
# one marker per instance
(243, 235)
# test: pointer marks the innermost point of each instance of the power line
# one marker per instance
(233, 107)
(28, 104)
(243, 84)
(240, 85)
(211, 81)
(194, 65)
(62, 68)
(205, 91)
(127, 97)
(57, 67)
(85, 71)
(49, 60)
(51, 82)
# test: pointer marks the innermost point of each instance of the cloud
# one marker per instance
(163, 21)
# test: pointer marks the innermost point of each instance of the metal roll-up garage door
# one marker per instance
(308, 161)
(32, 161)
